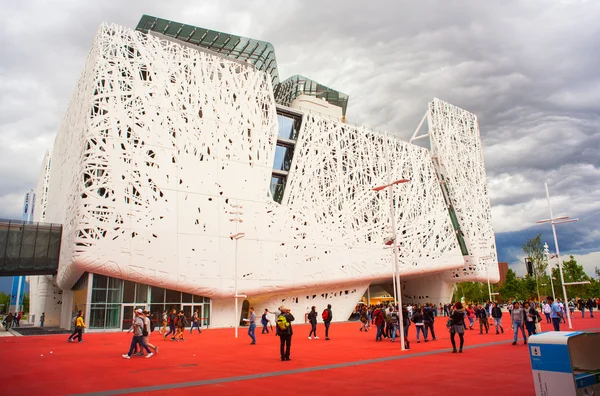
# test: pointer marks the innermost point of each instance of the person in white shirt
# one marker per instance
(547, 309)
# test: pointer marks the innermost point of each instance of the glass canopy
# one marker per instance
(259, 53)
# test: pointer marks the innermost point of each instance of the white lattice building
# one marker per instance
(169, 148)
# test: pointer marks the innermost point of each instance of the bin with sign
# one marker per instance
(565, 363)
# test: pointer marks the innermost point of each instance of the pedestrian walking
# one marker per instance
(590, 306)
(42, 319)
(138, 336)
(327, 315)
(456, 325)
(148, 329)
(252, 325)
(428, 321)
(195, 322)
(555, 314)
(312, 319)
(285, 332)
(531, 318)
(172, 328)
(482, 315)
(518, 317)
(497, 316)
(264, 321)
(79, 326)
(417, 319)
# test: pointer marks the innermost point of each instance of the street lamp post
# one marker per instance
(237, 213)
(558, 220)
(396, 269)
(547, 254)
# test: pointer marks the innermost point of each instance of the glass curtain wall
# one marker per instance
(287, 135)
(111, 297)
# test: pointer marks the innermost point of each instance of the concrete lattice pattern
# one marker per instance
(456, 144)
(163, 143)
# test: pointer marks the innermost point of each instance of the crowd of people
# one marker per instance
(524, 317)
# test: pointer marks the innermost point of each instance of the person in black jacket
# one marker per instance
(497, 315)
(481, 314)
(327, 320)
(417, 319)
(590, 306)
(428, 319)
(457, 326)
(312, 319)
(285, 335)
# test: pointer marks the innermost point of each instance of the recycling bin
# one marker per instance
(565, 363)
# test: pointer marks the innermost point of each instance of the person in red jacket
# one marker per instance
(379, 318)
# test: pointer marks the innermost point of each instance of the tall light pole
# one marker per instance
(237, 213)
(396, 268)
(558, 220)
(547, 254)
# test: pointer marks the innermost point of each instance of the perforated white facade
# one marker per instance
(164, 147)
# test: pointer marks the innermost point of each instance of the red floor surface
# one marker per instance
(48, 365)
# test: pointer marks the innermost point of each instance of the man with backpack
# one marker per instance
(284, 331)
(327, 316)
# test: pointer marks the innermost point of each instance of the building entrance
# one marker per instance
(128, 315)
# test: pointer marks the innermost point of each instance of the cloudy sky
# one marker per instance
(528, 69)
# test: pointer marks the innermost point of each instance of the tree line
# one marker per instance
(536, 283)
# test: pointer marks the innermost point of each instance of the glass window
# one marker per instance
(283, 157)
(287, 127)
(186, 298)
(157, 295)
(113, 316)
(173, 296)
(98, 295)
(97, 315)
(141, 293)
(100, 282)
(128, 292)
(114, 294)
(277, 187)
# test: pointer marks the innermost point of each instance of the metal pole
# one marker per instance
(235, 289)
(547, 254)
(397, 270)
(395, 236)
(390, 191)
(562, 277)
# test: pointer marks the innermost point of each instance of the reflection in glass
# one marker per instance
(287, 127)
(283, 158)
(277, 188)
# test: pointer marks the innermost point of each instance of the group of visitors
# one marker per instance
(12, 320)
(523, 317)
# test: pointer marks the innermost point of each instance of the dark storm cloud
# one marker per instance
(527, 69)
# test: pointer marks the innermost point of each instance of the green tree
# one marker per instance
(572, 272)
(534, 249)
(511, 288)
(473, 292)
(4, 302)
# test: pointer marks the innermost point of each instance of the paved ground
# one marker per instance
(215, 362)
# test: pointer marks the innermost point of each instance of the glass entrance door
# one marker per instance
(127, 318)
(188, 310)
